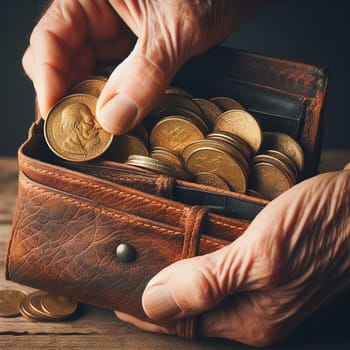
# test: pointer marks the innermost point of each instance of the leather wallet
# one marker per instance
(98, 231)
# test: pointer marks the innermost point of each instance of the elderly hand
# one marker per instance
(292, 258)
(72, 35)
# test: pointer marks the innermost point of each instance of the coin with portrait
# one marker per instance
(72, 131)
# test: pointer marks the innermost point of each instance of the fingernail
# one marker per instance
(118, 114)
(158, 303)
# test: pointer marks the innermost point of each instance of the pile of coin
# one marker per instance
(36, 306)
(214, 141)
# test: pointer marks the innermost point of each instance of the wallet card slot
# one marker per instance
(276, 110)
(219, 203)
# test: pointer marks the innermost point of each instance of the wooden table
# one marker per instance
(92, 328)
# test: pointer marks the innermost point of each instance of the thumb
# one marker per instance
(132, 90)
(192, 286)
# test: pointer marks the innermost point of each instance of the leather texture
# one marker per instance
(70, 217)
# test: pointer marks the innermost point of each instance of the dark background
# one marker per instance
(314, 32)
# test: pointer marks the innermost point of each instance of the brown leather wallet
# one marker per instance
(98, 231)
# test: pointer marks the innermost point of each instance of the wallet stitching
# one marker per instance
(103, 188)
(80, 203)
(125, 194)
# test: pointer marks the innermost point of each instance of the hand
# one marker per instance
(292, 258)
(72, 35)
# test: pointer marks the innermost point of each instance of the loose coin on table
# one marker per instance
(72, 131)
(58, 306)
(10, 300)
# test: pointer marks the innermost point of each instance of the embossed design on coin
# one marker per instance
(243, 125)
(71, 129)
(10, 302)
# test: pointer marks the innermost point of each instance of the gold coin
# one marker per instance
(243, 125)
(10, 302)
(279, 163)
(175, 132)
(210, 110)
(155, 165)
(168, 155)
(269, 180)
(211, 179)
(285, 144)
(178, 91)
(71, 130)
(226, 103)
(125, 145)
(233, 140)
(186, 113)
(219, 162)
(174, 159)
(89, 86)
(58, 306)
(171, 101)
(28, 311)
(214, 144)
(33, 306)
(286, 160)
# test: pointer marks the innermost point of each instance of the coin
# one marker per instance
(58, 306)
(285, 144)
(214, 144)
(226, 103)
(178, 91)
(175, 132)
(211, 111)
(168, 155)
(211, 179)
(286, 160)
(10, 302)
(171, 100)
(89, 86)
(125, 145)
(233, 140)
(174, 159)
(219, 162)
(279, 163)
(243, 125)
(71, 130)
(154, 165)
(269, 180)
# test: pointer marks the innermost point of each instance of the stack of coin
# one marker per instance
(220, 159)
(214, 141)
(154, 165)
(36, 306)
(278, 166)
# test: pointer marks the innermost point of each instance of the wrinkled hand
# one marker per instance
(74, 34)
(292, 258)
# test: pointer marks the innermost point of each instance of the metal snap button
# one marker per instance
(126, 253)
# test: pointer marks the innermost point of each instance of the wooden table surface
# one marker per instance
(92, 328)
